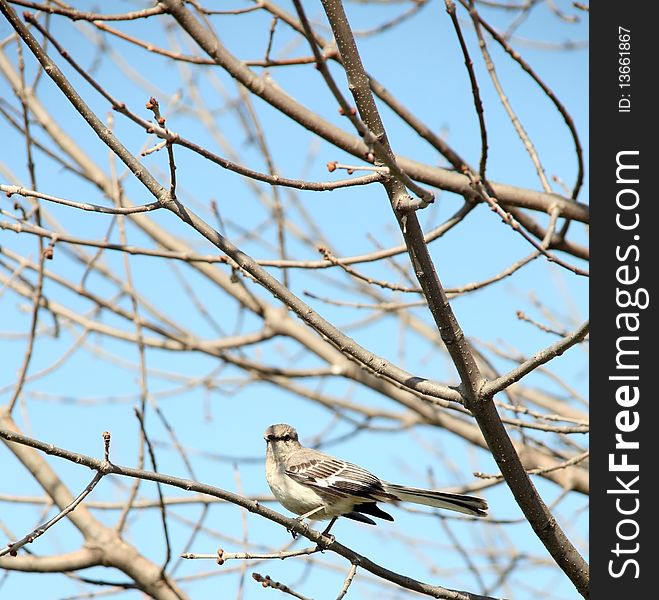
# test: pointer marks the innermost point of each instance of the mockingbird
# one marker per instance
(318, 486)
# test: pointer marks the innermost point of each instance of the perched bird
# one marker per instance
(318, 486)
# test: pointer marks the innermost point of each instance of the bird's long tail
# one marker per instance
(469, 505)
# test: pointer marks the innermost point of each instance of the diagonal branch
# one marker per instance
(114, 550)
(442, 178)
(539, 358)
(30, 444)
(343, 342)
(395, 383)
(472, 382)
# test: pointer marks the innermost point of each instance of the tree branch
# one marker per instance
(14, 438)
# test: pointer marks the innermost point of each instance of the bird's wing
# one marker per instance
(334, 477)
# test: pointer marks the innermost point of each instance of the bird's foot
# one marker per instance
(294, 533)
(327, 536)
(327, 540)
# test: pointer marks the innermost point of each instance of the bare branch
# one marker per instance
(291, 524)
(540, 358)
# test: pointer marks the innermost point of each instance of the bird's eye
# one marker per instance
(287, 438)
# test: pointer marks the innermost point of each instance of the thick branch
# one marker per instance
(482, 407)
(442, 178)
(60, 563)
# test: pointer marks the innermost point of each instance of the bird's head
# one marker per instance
(280, 434)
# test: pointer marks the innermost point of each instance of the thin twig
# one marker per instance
(102, 470)
(478, 103)
(348, 580)
(271, 37)
(538, 359)
(43, 253)
(508, 218)
(221, 556)
(267, 582)
(188, 256)
(21, 191)
(575, 460)
(545, 88)
(526, 141)
(78, 15)
(163, 510)
(370, 280)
